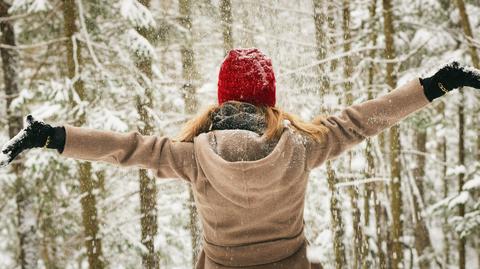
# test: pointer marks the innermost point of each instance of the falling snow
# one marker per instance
(311, 80)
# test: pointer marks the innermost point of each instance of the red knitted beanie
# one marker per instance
(246, 75)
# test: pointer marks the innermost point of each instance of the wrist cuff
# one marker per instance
(431, 89)
(57, 139)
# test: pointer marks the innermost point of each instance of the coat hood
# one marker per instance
(235, 163)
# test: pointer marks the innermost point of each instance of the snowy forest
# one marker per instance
(407, 198)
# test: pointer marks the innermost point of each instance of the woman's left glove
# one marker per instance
(449, 77)
(36, 134)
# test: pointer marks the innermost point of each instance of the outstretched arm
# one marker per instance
(168, 158)
(369, 118)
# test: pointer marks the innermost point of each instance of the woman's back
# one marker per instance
(257, 201)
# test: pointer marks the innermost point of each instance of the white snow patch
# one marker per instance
(455, 16)
(23, 96)
(137, 14)
(20, 136)
(420, 37)
(330, 100)
(314, 253)
(110, 120)
(472, 184)
(358, 163)
(460, 199)
(472, 70)
(47, 111)
(4, 159)
(459, 169)
(30, 6)
(139, 44)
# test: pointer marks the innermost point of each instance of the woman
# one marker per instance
(247, 161)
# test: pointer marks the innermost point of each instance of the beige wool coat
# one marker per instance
(250, 194)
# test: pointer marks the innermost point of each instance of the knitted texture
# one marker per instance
(246, 75)
(449, 77)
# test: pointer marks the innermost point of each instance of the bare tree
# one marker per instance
(370, 190)
(358, 242)
(442, 147)
(190, 76)
(337, 221)
(335, 210)
(226, 17)
(27, 229)
(422, 237)
(93, 242)
(461, 177)
(394, 140)
(148, 189)
(321, 42)
(467, 29)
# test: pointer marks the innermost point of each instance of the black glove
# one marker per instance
(37, 134)
(449, 77)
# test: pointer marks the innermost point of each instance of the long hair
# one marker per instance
(274, 118)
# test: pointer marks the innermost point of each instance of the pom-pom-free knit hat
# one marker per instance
(246, 75)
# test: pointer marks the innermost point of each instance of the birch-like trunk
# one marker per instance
(394, 140)
(467, 29)
(148, 189)
(335, 210)
(226, 18)
(26, 226)
(442, 148)
(336, 218)
(462, 241)
(321, 42)
(422, 237)
(358, 237)
(370, 190)
(190, 77)
(93, 242)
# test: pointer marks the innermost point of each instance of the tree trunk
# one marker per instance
(465, 21)
(190, 76)
(358, 242)
(335, 211)
(370, 169)
(26, 227)
(226, 17)
(476, 63)
(422, 237)
(93, 243)
(394, 139)
(467, 29)
(445, 181)
(337, 222)
(461, 160)
(148, 189)
(380, 231)
(332, 39)
(321, 41)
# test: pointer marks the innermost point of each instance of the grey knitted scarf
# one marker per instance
(242, 116)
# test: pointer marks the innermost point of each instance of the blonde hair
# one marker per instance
(274, 118)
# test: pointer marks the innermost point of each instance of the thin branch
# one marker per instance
(329, 59)
(32, 46)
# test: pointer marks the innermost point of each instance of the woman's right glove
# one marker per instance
(36, 134)
(449, 77)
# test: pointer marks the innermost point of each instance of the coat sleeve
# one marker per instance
(167, 158)
(359, 121)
